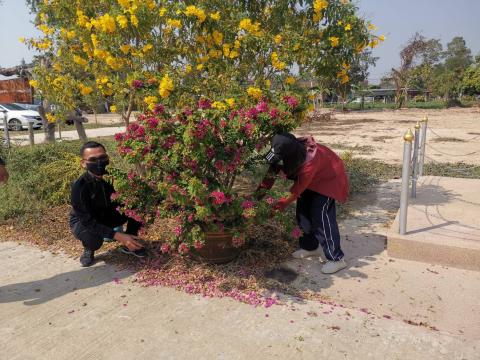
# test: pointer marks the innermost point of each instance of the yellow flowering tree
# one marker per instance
(136, 53)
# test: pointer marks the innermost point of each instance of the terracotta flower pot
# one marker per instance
(218, 248)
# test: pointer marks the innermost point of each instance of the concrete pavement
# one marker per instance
(22, 140)
(50, 308)
(443, 224)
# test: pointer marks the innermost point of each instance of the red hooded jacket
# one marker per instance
(323, 172)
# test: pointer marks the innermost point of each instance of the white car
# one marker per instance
(18, 118)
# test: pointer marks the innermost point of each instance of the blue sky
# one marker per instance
(396, 19)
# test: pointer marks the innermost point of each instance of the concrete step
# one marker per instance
(443, 224)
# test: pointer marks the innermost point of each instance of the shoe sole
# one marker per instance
(333, 272)
(305, 256)
(128, 252)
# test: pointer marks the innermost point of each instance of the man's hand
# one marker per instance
(130, 241)
(3, 174)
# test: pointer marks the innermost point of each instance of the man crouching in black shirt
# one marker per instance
(94, 218)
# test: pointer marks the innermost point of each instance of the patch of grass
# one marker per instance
(40, 177)
(410, 104)
(382, 138)
(362, 149)
(447, 139)
(458, 170)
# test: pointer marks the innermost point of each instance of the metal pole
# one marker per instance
(407, 152)
(30, 133)
(416, 144)
(423, 140)
(6, 134)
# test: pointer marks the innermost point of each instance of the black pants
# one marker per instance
(93, 241)
(316, 216)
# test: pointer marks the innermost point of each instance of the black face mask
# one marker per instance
(98, 167)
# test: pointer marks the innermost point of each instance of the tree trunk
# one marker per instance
(126, 116)
(80, 129)
(48, 127)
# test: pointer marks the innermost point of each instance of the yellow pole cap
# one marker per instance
(425, 118)
(417, 125)
(408, 136)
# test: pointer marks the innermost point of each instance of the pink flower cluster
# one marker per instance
(137, 84)
(133, 215)
(291, 101)
(204, 104)
(219, 197)
(296, 233)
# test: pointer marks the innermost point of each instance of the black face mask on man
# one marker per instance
(98, 167)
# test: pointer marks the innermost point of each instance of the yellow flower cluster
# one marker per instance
(51, 118)
(342, 75)
(172, 23)
(217, 37)
(122, 21)
(277, 39)
(192, 10)
(166, 86)
(85, 90)
(113, 62)
(124, 3)
(33, 83)
(45, 29)
(215, 16)
(318, 6)
(105, 23)
(230, 102)
(219, 105)
(254, 92)
(290, 80)
(79, 60)
(151, 101)
(334, 41)
(134, 20)
(250, 27)
(113, 108)
(104, 85)
(125, 48)
(277, 64)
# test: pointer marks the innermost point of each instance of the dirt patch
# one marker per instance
(385, 130)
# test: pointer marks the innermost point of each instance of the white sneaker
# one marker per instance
(333, 266)
(303, 254)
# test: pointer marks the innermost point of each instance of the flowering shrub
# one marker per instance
(187, 163)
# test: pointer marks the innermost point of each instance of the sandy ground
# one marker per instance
(454, 134)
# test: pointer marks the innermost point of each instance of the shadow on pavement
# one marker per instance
(41, 291)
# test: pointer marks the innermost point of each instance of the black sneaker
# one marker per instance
(87, 258)
(140, 253)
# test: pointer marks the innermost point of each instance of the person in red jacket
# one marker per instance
(319, 180)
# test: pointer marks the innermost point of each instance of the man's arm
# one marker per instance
(80, 207)
(267, 182)
(79, 201)
(300, 185)
(3, 172)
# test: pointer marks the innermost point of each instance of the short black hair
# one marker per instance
(90, 145)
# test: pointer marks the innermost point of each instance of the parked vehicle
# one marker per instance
(18, 118)
(366, 99)
(33, 107)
